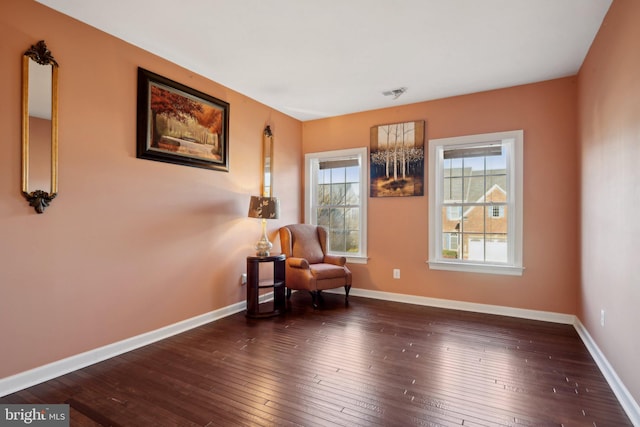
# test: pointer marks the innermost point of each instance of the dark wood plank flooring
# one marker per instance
(373, 363)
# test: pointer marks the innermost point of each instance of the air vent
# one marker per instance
(395, 92)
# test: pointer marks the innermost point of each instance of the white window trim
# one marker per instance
(515, 159)
(311, 161)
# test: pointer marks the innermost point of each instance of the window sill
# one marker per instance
(357, 259)
(476, 268)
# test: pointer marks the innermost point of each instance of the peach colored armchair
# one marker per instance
(308, 266)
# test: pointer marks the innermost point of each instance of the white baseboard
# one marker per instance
(629, 405)
(52, 370)
(546, 316)
(38, 375)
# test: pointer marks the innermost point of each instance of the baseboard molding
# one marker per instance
(52, 370)
(546, 316)
(627, 401)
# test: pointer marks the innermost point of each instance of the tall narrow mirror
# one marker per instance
(267, 162)
(39, 126)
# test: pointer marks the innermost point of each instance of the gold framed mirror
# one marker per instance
(267, 162)
(39, 126)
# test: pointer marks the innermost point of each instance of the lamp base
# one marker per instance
(263, 247)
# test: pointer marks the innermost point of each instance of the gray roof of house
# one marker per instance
(472, 185)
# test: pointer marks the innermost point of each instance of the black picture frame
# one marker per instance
(180, 125)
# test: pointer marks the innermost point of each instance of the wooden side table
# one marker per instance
(254, 285)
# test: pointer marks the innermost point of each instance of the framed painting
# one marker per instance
(397, 159)
(178, 124)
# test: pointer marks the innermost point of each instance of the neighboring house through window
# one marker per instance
(475, 203)
(495, 211)
(336, 198)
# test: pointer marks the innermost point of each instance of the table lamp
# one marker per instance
(264, 208)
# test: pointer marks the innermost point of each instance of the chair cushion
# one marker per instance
(327, 271)
(305, 243)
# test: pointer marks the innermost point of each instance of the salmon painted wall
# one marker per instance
(609, 105)
(129, 245)
(398, 227)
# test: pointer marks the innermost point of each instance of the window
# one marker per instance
(495, 211)
(336, 198)
(475, 203)
(453, 212)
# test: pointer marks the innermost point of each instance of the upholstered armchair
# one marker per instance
(308, 267)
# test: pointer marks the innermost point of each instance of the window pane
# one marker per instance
(450, 245)
(337, 175)
(337, 194)
(452, 167)
(353, 194)
(453, 183)
(324, 176)
(337, 219)
(496, 188)
(323, 194)
(474, 191)
(473, 221)
(353, 241)
(353, 174)
(452, 191)
(337, 241)
(496, 248)
(497, 162)
(454, 213)
(473, 247)
(352, 219)
(454, 241)
(451, 225)
(498, 223)
(324, 217)
(473, 166)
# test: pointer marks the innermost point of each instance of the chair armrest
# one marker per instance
(335, 260)
(298, 263)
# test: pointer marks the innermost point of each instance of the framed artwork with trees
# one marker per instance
(178, 124)
(397, 159)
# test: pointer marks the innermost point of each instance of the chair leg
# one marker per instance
(288, 293)
(315, 296)
(347, 288)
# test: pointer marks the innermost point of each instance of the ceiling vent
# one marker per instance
(395, 92)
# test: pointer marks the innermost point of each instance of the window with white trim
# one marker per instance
(495, 211)
(336, 198)
(475, 197)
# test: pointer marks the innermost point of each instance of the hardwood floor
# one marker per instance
(374, 363)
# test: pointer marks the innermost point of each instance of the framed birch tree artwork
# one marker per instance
(397, 159)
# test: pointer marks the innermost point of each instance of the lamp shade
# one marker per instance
(264, 207)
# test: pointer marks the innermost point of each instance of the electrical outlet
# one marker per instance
(602, 317)
(243, 279)
(396, 273)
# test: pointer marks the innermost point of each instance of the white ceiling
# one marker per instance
(320, 58)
